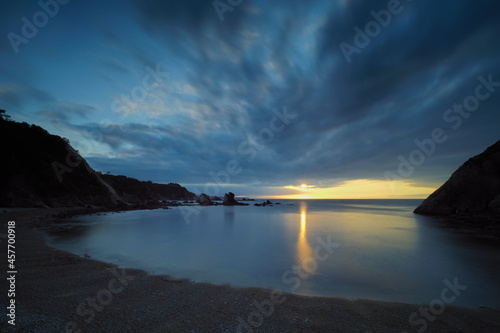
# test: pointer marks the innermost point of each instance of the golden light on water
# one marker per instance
(304, 250)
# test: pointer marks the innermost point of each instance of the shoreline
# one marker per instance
(61, 292)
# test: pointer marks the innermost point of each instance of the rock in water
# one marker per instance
(229, 199)
(204, 200)
(474, 189)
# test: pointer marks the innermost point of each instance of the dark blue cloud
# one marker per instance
(353, 120)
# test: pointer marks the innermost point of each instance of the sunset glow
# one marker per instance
(360, 189)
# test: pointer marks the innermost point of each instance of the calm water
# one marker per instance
(380, 250)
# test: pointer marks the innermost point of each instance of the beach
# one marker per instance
(56, 291)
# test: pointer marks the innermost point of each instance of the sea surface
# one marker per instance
(374, 249)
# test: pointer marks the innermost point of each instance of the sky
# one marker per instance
(283, 99)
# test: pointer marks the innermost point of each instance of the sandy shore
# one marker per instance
(60, 292)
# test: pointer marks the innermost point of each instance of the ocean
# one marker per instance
(370, 249)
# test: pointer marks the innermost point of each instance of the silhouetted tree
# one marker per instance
(4, 115)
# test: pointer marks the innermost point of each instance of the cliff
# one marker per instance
(39, 169)
(472, 190)
(136, 191)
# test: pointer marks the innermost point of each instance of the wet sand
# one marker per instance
(57, 291)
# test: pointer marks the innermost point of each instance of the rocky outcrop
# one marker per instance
(204, 200)
(229, 200)
(472, 190)
(266, 203)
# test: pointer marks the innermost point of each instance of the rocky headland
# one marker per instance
(43, 170)
(471, 196)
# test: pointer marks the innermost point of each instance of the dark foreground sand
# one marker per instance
(60, 292)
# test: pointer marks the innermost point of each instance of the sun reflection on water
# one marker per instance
(304, 250)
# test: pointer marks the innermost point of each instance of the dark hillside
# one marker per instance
(39, 169)
(30, 158)
(473, 189)
(136, 191)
